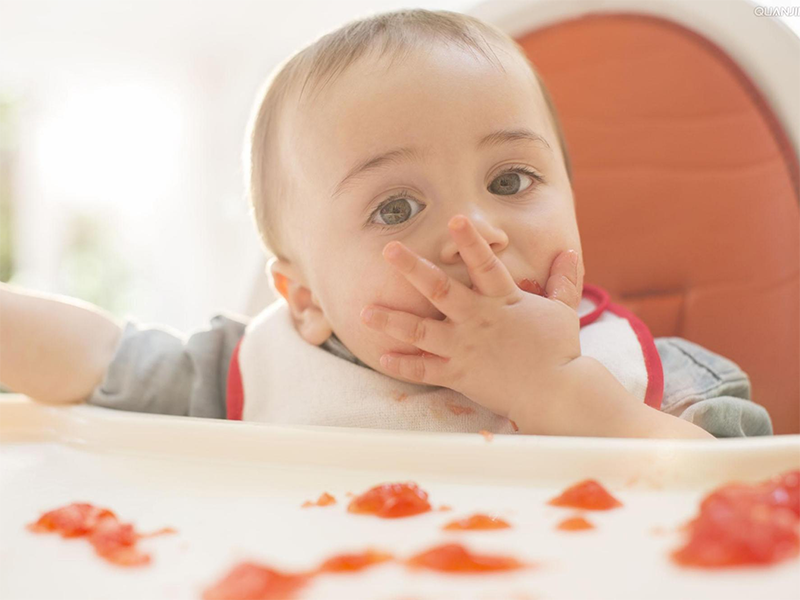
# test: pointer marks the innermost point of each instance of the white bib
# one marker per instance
(284, 379)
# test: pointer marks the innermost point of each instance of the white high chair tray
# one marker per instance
(234, 492)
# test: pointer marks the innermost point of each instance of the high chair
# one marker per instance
(682, 121)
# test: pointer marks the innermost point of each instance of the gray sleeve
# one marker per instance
(709, 390)
(157, 369)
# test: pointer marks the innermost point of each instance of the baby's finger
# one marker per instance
(451, 297)
(488, 273)
(425, 368)
(564, 282)
(429, 335)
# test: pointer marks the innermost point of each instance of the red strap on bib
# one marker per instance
(652, 361)
(235, 391)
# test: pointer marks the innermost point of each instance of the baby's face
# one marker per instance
(437, 134)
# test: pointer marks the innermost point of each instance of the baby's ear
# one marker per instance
(309, 320)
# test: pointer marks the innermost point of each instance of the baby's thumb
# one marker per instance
(565, 283)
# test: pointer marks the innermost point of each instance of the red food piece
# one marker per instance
(531, 287)
(575, 524)
(116, 542)
(324, 500)
(488, 435)
(112, 540)
(743, 524)
(391, 501)
(587, 495)
(784, 491)
(454, 558)
(477, 522)
(73, 520)
(354, 562)
(249, 581)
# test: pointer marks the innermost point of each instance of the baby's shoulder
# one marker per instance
(688, 365)
(159, 369)
(709, 390)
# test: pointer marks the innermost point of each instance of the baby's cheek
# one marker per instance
(379, 285)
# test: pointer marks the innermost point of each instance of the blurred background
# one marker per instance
(122, 125)
(121, 129)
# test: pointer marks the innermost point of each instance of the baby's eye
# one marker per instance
(396, 211)
(511, 182)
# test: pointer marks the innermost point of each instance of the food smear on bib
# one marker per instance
(458, 409)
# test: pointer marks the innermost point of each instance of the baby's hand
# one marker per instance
(498, 345)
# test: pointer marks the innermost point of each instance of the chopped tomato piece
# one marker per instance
(354, 562)
(741, 524)
(587, 495)
(784, 491)
(324, 500)
(455, 558)
(73, 520)
(477, 522)
(114, 541)
(575, 524)
(391, 501)
(249, 581)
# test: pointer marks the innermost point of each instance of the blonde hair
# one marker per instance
(307, 72)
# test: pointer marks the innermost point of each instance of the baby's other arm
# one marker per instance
(53, 348)
(592, 402)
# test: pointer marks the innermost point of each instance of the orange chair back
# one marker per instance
(686, 189)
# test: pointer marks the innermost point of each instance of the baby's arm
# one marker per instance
(592, 402)
(53, 348)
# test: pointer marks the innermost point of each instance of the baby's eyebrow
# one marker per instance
(375, 163)
(504, 136)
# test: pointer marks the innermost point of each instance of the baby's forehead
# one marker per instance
(374, 69)
(434, 106)
(419, 88)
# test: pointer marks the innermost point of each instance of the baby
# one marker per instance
(409, 174)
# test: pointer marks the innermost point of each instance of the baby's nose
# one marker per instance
(494, 235)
